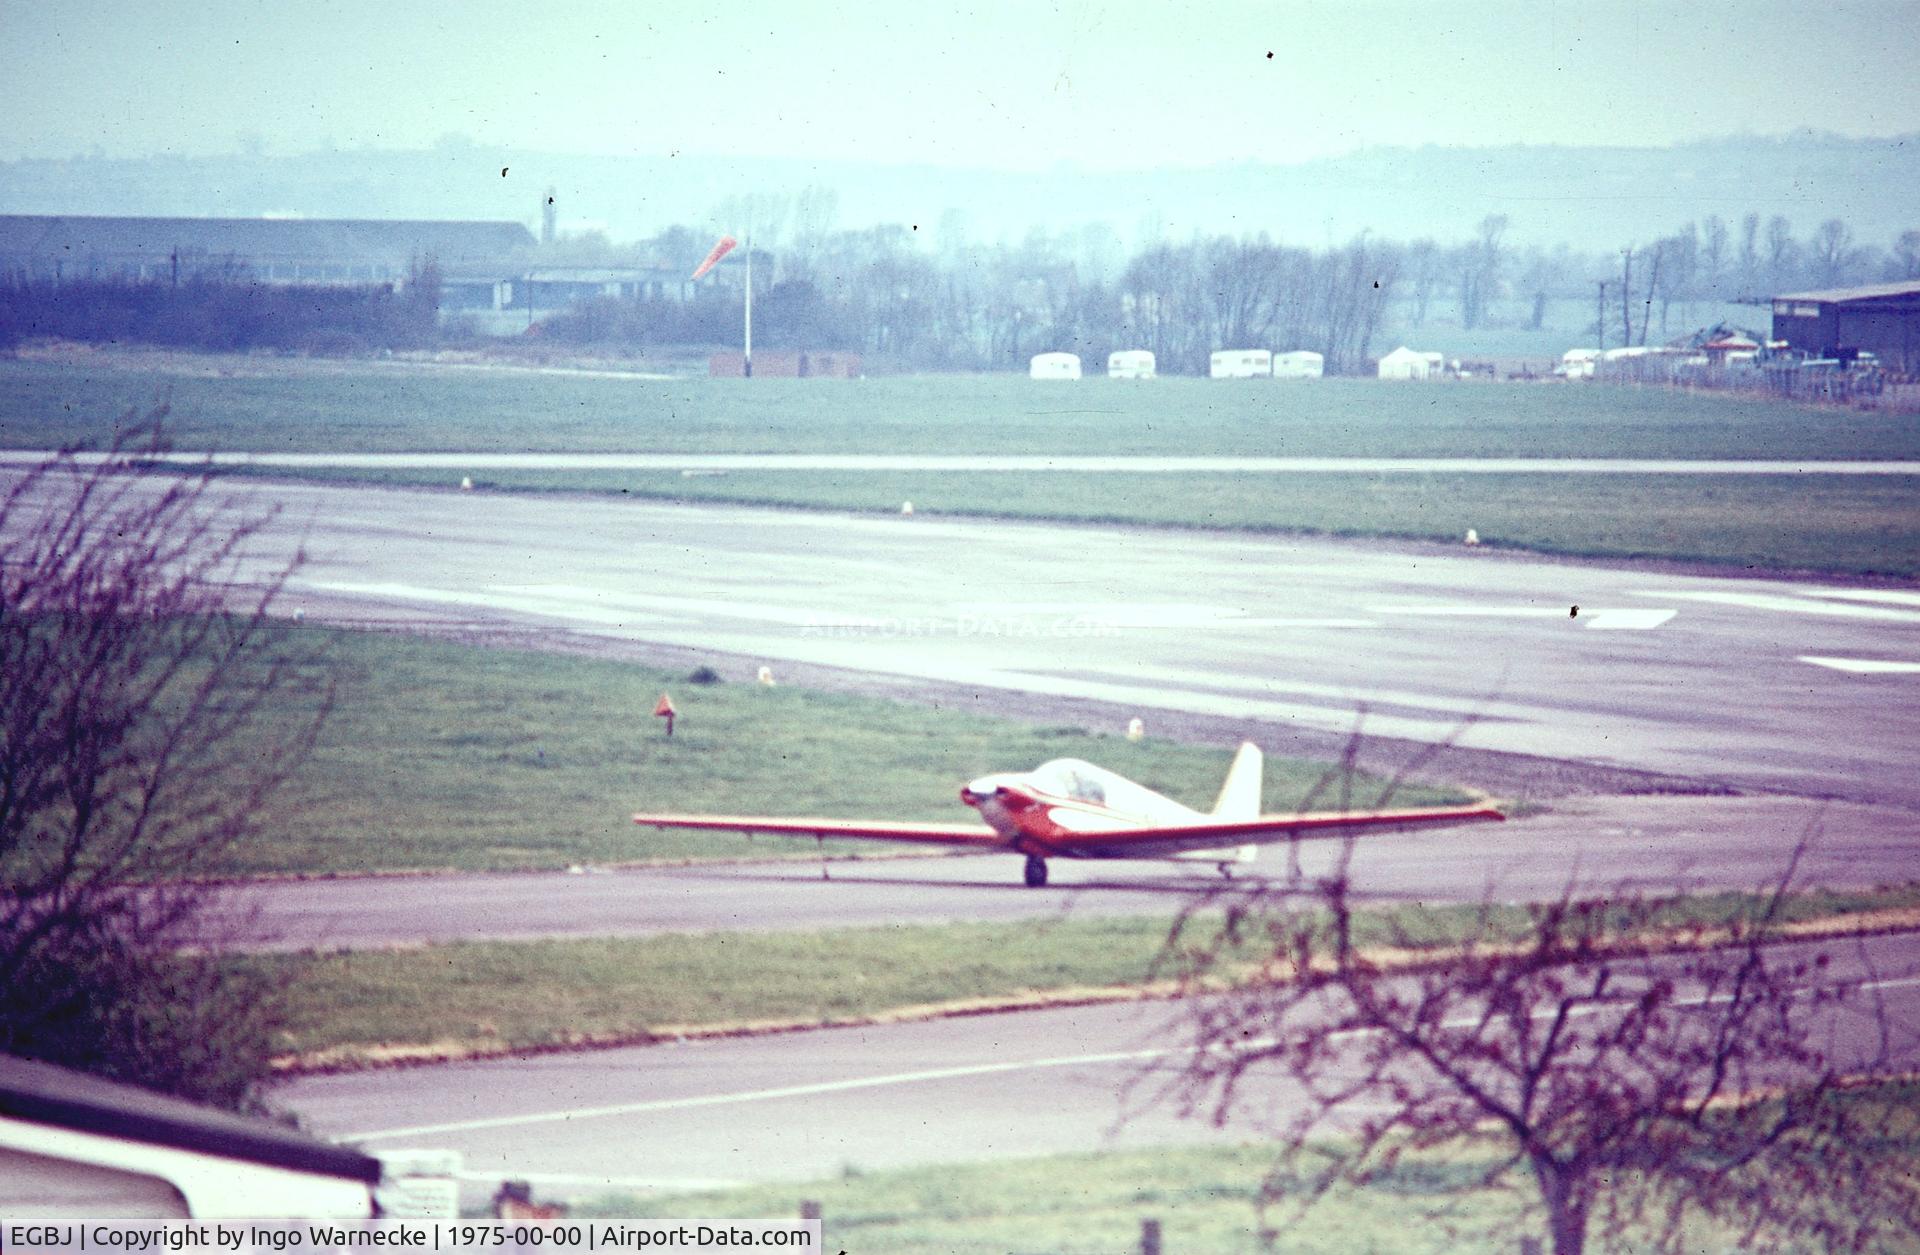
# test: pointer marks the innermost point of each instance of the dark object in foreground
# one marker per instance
(1640, 1083)
(148, 709)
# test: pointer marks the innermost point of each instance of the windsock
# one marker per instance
(720, 250)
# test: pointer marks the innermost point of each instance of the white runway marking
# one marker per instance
(764, 1095)
(1890, 596)
(967, 1070)
(1626, 620)
(1864, 666)
(1605, 618)
(608, 608)
(1143, 615)
(1787, 604)
(1347, 699)
(595, 606)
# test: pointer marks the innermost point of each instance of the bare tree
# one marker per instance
(1905, 263)
(1713, 256)
(1749, 254)
(1832, 251)
(1632, 1090)
(1245, 286)
(1626, 296)
(1679, 274)
(1423, 270)
(1783, 255)
(1353, 286)
(1480, 264)
(1161, 301)
(145, 717)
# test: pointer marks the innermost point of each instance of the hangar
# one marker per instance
(1882, 319)
(264, 250)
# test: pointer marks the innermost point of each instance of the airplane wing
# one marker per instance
(928, 834)
(1210, 834)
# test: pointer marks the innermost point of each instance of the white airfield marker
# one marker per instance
(1795, 604)
(1603, 619)
(1864, 666)
(1626, 620)
(1892, 597)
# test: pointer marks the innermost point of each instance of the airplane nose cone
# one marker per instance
(979, 791)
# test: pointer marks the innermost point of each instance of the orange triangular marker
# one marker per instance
(664, 707)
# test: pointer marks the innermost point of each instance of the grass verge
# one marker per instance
(1205, 1198)
(480, 998)
(1855, 524)
(307, 405)
(442, 755)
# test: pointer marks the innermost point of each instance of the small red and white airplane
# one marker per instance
(1072, 809)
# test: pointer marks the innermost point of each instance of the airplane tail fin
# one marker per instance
(1240, 795)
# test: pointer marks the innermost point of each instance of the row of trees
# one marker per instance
(954, 304)
(1711, 261)
(993, 307)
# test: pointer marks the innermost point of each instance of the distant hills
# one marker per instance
(1592, 198)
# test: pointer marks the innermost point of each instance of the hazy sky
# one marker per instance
(1105, 85)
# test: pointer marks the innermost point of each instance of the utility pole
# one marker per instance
(1626, 299)
(1600, 317)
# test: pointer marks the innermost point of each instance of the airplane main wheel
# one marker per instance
(1036, 872)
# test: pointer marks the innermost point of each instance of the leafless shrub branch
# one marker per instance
(149, 705)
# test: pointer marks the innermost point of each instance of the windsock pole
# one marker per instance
(747, 355)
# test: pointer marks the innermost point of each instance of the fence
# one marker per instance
(1808, 381)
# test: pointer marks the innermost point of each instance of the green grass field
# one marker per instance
(493, 996)
(444, 755)
(509, 995)
(1206, 1198)
(287, 404)
(1093, 1204)
(1855, 524)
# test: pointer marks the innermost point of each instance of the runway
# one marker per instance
(1003, 463)
(1656, 844)
(1801, 687)
(812, 1105)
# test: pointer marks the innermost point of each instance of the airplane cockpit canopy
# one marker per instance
(1083, 782)
(1072, 778)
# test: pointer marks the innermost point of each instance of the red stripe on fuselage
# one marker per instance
(1036, 831)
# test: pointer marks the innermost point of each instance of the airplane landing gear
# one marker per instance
(1036, 872)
